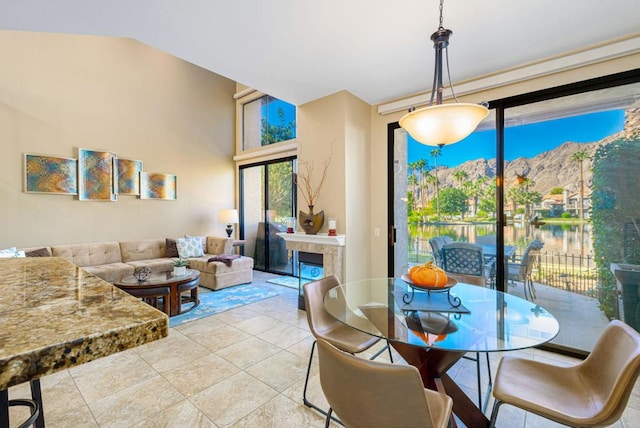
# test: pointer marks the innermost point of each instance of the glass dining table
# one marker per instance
(433, 329)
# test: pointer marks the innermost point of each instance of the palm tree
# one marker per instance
(421, 165)
(435, 153)
(579, 157)
(460, 175)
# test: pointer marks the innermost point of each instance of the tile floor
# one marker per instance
(240, 368)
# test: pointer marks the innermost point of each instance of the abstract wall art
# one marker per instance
(95, 175)
(128, 176)
(158, 186)
(50, 174)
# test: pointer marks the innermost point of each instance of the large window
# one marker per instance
(267, 120)
(550, 181)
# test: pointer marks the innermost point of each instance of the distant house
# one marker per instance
(556, 205)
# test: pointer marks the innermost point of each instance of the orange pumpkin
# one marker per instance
(428, 275)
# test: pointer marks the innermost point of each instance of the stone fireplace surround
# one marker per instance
(331, 248)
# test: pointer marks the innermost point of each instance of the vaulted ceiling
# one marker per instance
(301, 50)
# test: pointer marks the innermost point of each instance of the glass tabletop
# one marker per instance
(486, 320)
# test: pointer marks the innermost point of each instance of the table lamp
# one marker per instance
(228, 217)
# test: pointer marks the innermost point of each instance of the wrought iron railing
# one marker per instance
(573, 273)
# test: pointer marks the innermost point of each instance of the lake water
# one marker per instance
(570, 239)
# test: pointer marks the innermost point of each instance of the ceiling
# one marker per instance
(301, 50)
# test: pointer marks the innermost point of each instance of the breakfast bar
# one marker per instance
(55, 316)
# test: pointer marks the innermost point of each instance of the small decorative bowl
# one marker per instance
(142, 273)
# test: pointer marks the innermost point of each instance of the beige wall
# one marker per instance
(378, 176)
(340, 123)
(62, 92)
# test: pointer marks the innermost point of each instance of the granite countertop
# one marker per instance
(54, 315)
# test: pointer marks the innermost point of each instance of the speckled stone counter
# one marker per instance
(54, 316)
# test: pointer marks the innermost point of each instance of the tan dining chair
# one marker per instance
(324, 326)
(371, 394)
(593, 393)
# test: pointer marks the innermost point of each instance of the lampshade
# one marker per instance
(443, 124)
(228, 217)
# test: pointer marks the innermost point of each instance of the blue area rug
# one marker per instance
(214, 302)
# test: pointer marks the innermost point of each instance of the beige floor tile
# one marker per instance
(281, 412)
(78, 417)
(256, 325)
(248, 352)
(183, 414)
(284, 335)
(219, 338)
(203, 325)
(280, 371)
(303, 348)
(111, 374)
(232, 399)
(200, 374)
(173, 351)
(136, 403)
(236, 315)
(60, 395)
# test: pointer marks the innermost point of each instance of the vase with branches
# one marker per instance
(311, 222)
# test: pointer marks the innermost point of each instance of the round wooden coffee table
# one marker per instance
(167, 286)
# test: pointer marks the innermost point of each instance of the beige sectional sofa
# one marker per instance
(112, 261)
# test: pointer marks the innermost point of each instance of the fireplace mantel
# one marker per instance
(331, 248)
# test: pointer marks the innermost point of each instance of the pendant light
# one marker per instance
(442, 124)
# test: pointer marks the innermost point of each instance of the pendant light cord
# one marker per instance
(438, 70)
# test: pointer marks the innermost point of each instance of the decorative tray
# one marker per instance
(450, 283)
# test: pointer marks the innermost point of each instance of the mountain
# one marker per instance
(550, 169)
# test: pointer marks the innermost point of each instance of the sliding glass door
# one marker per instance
(267, 199)
(550, 178)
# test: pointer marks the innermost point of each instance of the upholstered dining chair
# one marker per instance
(368, 394)
(324, 326)
(521, 270)
(593, 393)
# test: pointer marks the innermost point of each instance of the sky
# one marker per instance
(524, 140)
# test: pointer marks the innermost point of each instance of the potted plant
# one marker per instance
(180, 267)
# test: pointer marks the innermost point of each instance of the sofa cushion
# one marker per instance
(111, 272)
(40, 252)
(156, 265)
(189, 247)
(93, 254)
(218, 245)
(170, 248)
(203, 265)
(202, 239)
(142, 249)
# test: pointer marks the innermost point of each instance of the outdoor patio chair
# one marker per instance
(436, 249)
(521, 270)
(593, 393)
(466, 263)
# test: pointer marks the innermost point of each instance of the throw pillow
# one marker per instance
(202, 239)
(170, 248)
(40, 252)
(189, 247)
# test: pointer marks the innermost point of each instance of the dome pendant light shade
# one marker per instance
(443, 124)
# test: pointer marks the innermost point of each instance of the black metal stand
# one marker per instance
(454, 301)
(36, 416)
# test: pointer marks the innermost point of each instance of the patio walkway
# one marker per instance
(581, 320)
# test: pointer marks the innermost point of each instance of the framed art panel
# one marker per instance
(50, 174)
(158, 186)
(95, 175)
(128, 176)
